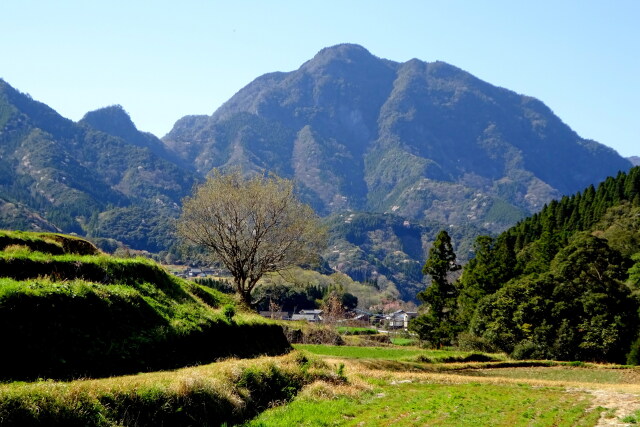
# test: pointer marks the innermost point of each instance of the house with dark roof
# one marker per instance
(313, 315)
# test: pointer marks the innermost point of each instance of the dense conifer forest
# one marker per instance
(561, 284)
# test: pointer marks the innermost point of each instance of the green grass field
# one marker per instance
(404, 341)
(409, 354)
(597, 375)
(388, 353)
(386, 387)
(420, 403)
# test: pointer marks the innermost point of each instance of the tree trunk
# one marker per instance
(246, 298)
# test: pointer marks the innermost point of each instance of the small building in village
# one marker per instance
(313, 315)
(399, 319)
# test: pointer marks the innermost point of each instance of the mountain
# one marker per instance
(635, 160)
(115, 121)
(425, 141)
(99, 177)
(373, 145)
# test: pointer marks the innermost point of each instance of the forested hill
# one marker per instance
(99, 177)
(424, 140)
(563, 283)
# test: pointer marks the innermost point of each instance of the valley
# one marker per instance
(510, 243)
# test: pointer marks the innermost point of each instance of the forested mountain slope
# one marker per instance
(97, 177)
(386, 251)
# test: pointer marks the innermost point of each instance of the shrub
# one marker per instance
(471, 342)
(18, 250)
(229, 311)
(348, 330)
(633, 357)
(524, 350)
(312, 334)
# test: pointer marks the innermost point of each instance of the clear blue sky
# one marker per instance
(162, 60)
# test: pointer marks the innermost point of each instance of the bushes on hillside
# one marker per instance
(579, 310)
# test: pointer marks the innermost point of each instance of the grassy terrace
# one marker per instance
(74, 312)
(406, 354)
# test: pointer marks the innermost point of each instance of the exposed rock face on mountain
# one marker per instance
(99, 177)
(421, 140)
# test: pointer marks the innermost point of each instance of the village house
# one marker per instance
(400, 319)
(314, 315)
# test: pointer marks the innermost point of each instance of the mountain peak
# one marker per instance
(113, 120)
(342, 53)
(385, 132)
(343, 50)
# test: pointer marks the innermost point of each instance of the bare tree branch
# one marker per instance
(252, 226)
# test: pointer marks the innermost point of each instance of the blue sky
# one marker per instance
(162, 60)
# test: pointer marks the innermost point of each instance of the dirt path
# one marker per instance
(619, 405)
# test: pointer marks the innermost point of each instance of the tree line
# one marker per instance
(562, 284)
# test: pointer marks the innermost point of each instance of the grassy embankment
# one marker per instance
(227, 392)
(68, 311)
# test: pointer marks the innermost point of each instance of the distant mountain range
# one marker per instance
(384, 149)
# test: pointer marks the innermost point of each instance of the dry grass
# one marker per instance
(453, 376)
(228, 391)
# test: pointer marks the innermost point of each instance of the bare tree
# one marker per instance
(252, 225)
(332, 309)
